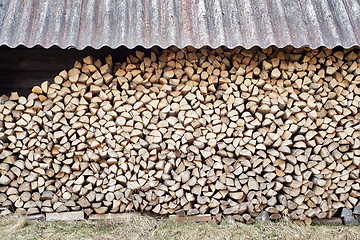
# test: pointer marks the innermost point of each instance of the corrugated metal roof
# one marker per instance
(247, 23)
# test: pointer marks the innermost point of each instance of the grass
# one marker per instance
(145, 227)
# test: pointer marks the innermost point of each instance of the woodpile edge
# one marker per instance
(189, 131)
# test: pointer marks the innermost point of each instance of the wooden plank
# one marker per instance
(331, 221)
(113, 216)
(36, 217)
(65, 216)
(195, 218)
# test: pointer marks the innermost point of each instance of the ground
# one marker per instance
(144, 227)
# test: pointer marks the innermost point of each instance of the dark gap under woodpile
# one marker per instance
(23, 68)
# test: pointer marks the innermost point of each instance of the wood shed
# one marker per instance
(188, 109)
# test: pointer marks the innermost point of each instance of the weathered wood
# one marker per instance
(65, 216)
(196, 218)
(113, 216)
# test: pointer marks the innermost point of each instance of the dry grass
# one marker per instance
(144, 227)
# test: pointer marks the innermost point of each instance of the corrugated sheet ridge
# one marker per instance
(231, 23)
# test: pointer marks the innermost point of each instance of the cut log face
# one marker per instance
(188, 132)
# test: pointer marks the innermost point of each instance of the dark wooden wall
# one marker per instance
(22, 68)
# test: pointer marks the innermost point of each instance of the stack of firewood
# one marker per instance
(189, 131)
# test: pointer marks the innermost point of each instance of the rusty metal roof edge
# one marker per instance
(183, 46)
